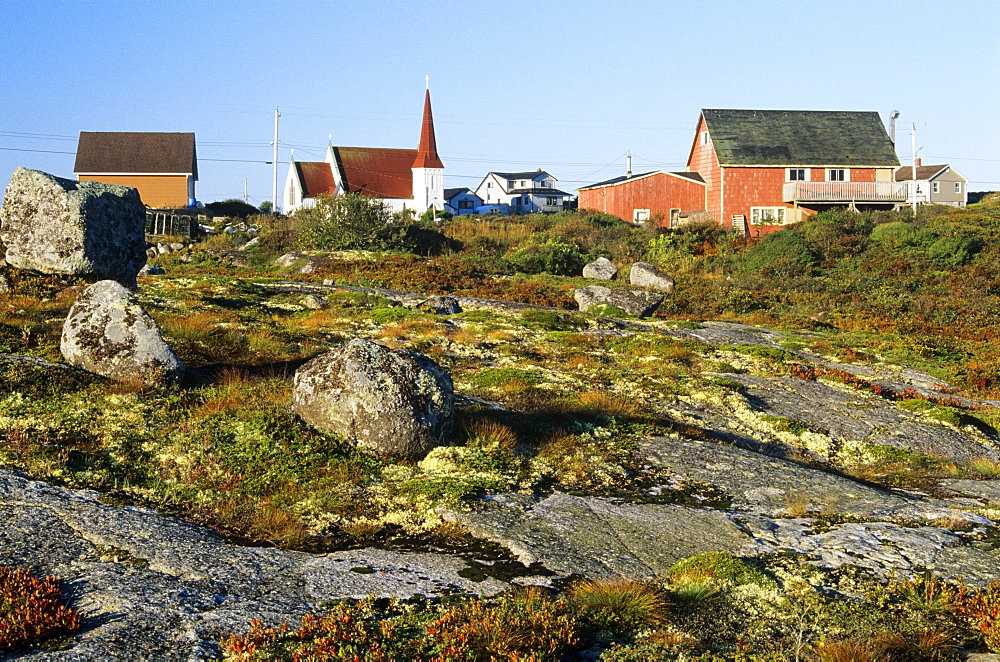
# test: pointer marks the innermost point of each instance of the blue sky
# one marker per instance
(563, 86)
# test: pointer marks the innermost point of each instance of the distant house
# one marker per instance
(522, 193)
(401, 178)
(767, 168)
(163, 166)
(658, 196)
(934, 184)
(461, 201)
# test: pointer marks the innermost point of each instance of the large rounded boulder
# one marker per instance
(61, 226)
(108, 333)
(396, 403)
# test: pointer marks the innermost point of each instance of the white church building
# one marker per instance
(401, 178)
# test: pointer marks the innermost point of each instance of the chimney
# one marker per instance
(628, 164)
(919, 161)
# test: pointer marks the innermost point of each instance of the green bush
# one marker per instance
(721, 567)
(352, 221)
(552, 257)
(784, 254)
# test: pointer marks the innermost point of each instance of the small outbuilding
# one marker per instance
(659, 196)
(162, 166)
(934, 184)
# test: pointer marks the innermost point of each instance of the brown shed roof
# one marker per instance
(377, 171)
(905, 173)
(140, 153)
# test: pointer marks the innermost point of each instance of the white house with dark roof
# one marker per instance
(934, 184)
(531, 192)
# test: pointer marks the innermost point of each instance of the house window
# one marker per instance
(527, 201)
(836, 175)
(675, 215)
(551, 201)
(705, 140)
(767, 215)
(797, 174)
(935, 187)
(958, 187)
(465, 204)
(523, 184)
(640, 215)
(489, 184)
(511, 185)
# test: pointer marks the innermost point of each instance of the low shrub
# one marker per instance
(618, 606)
(31, 610)
(720, 567)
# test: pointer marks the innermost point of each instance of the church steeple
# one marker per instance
(427, 155)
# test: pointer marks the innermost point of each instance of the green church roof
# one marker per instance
(800, 137)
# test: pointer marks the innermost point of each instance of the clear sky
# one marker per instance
(516, 85)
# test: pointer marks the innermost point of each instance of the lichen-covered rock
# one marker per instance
(602, 268)
(646, 275)
(108, 333)
(440, 305)
(313, 302)
(639, 304)
(396, 403)
(62, 226)
(288, 259)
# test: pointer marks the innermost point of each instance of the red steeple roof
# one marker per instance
(427, 153)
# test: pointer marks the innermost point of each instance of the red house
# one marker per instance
(660, 196)
(767, 168)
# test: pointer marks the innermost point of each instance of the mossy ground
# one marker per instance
(557, 398)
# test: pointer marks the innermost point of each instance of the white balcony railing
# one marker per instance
(845, 192)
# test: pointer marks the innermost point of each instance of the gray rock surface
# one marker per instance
(643, 274)
(636, 303)
(313, 302)
(776, 487)
(851, 416)
(61, 226)
(108, 333)
(440, 305)
(396, 403)
(5, 284)
(597, 537)
(602, 268)
(154, 587)
(288, 259)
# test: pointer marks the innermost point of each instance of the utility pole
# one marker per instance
(913, 168)
(274, 183)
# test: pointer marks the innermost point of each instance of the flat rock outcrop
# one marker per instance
(154, 587)
(833, 423)
(396, 403)
(62, 226)
(108, 333)
(598, 537)
(635, 303)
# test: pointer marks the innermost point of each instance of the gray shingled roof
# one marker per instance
(140, 153)
(531, 174)
(800, 137)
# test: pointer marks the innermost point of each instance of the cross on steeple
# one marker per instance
(427, 82)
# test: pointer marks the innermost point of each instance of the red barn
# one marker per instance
(767, 168)
(659, 196)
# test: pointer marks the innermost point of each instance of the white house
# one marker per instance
(461, 201)
(522, 193)
(401, 178)
(934, 184)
